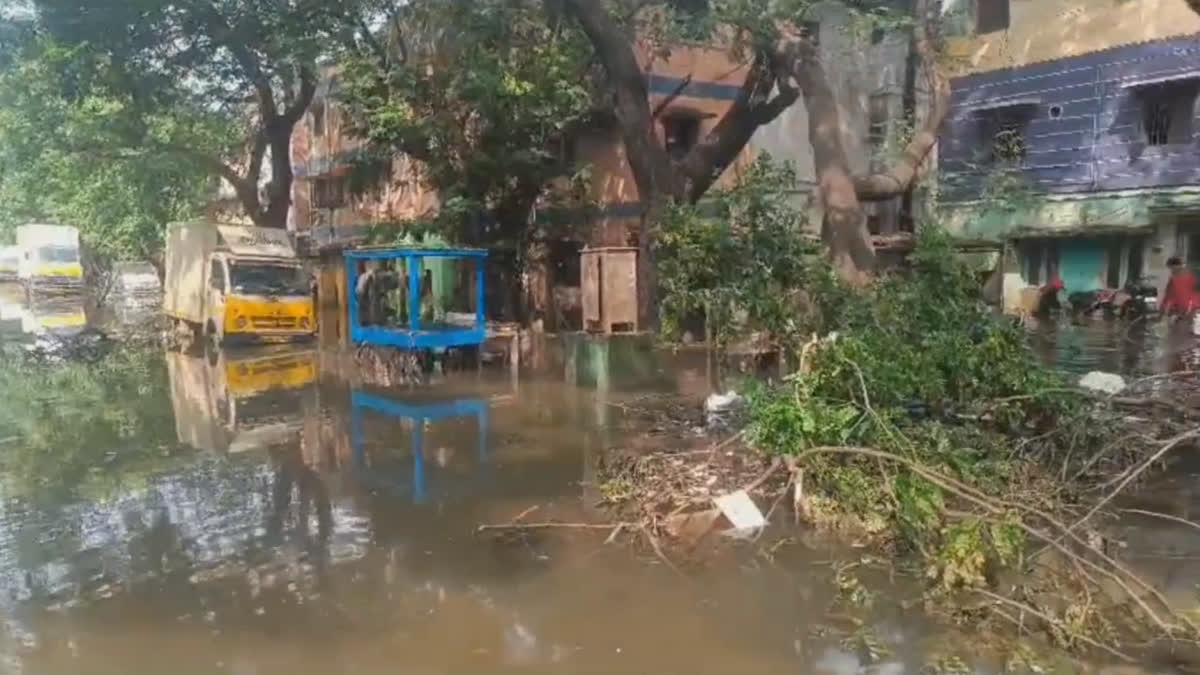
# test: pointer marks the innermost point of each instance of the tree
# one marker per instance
(216, 84)
(486, 96)
(483, 93)
(783, 67)
(120, 200)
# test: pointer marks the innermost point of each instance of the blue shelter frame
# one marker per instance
(416, 336)
(418, 413)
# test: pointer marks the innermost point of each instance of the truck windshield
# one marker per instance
(58, 254)
(260, 279)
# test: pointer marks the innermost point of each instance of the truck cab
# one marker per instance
(233, 283)
(50, 257)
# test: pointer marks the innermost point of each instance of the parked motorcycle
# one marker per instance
(1136, 298)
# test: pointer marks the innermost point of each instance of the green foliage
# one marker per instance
(788, 421)
(59, 163)
(78, 426)
(739, 257)
(485, 97)
(155, 95)
(922, 374)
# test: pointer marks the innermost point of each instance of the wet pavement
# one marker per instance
(270, 511)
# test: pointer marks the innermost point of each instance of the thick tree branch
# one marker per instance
(844, 227)
(666, 102)
(242, 186)
(900, 177)
(304, 97)
(653, 172)
(258, 151)
(224, 35)
(753, 108)
(647, 158)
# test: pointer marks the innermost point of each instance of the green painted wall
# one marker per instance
(1064, 217)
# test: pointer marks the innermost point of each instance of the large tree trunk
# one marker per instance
(279, 190)
(778, 75)
(652, 170)
(844, 228)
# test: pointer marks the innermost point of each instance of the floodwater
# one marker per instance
(271, 511)
(1131, 348)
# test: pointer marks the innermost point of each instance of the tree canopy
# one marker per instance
(217, 85)
(484, 93)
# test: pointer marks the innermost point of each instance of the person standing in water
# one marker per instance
(1180, 298)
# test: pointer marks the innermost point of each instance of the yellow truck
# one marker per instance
(229, 282)
(49, 257)
(241, 401)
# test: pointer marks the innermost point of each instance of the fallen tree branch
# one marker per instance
(1137, 471)
(1027, 609)
(1164, 516)
(996, 508)
(551, 526)
(776, 464)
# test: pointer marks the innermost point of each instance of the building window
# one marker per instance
(991, 15)
(1003, 138)
(682, 133)
(811, 31)
(318, 118)
(329, 193)
(1167, 112)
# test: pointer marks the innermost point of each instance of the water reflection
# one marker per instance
(275, 510)
(237, 401)
(1138, 347)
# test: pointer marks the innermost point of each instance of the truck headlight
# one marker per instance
(304, 322)
(241, 322)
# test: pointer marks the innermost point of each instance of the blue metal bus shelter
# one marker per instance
(416, 485)
(417, 334)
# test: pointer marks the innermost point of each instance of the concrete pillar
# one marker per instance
(1161, 245)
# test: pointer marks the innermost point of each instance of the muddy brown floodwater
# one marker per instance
(269, 511)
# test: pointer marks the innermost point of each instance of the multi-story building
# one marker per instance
(871, 72)
(1071, 139)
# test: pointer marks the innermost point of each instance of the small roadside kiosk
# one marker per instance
(420, 275)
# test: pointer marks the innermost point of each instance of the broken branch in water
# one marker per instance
(521, 516)
(658, 550)
(765, 476)
(1164, 516)
(994, 508)
(551, 526)
(1060, 625)
(1135, 472)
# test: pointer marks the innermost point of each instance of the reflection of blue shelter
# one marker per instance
(417, 335)
(419, 414)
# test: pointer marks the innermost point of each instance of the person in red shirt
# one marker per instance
(1180, 298)
(1048, 297)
